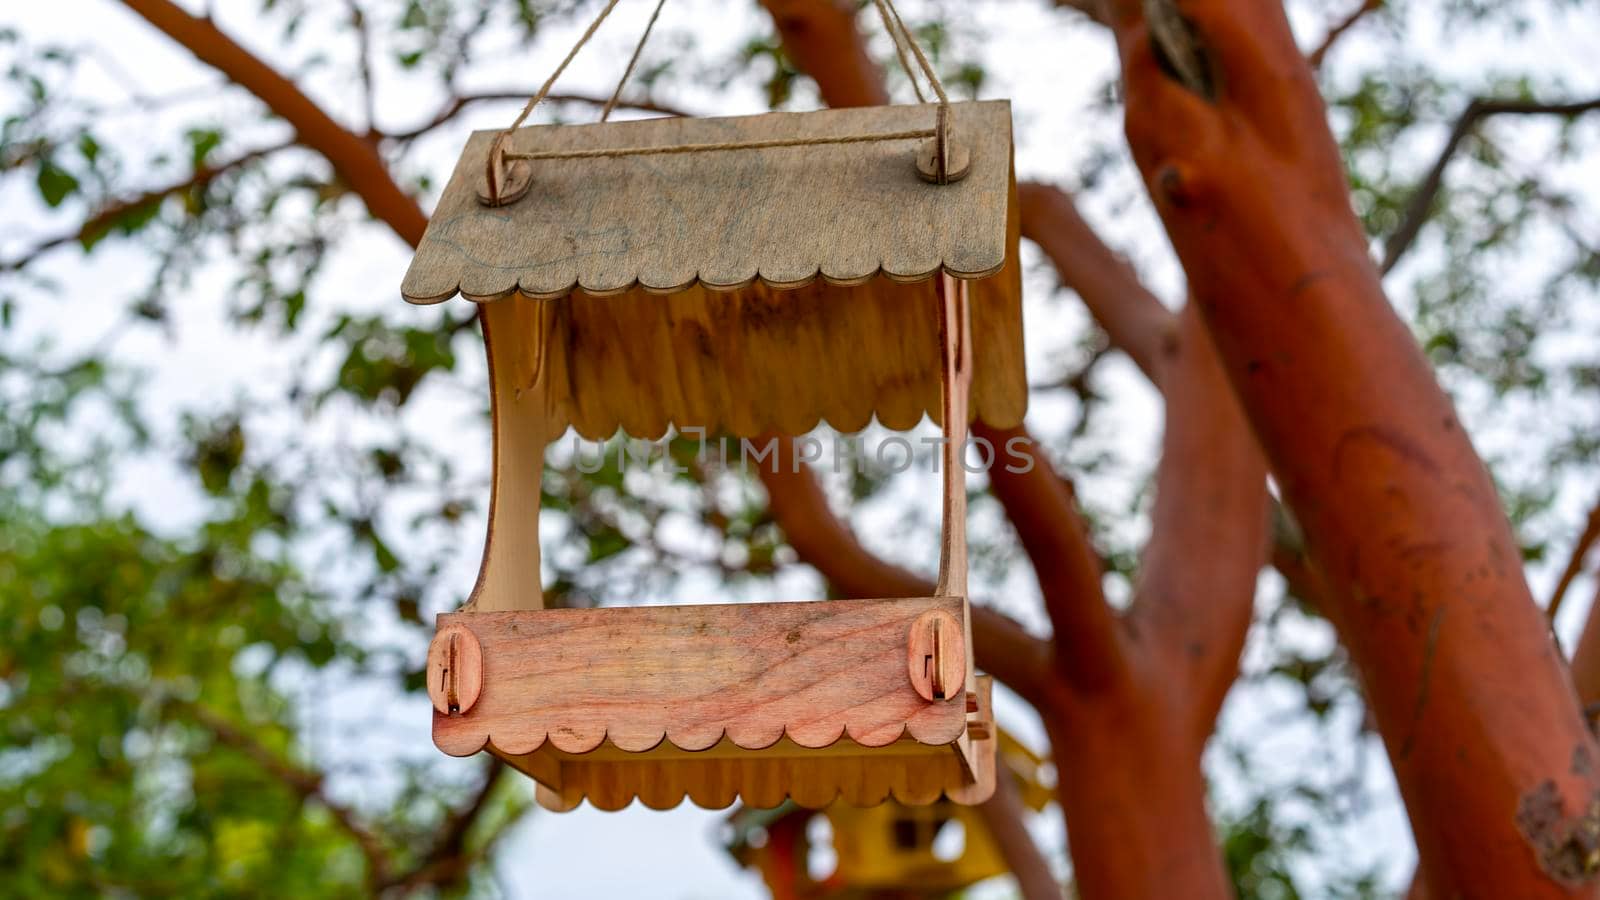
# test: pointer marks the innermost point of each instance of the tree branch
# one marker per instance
(1302, 577)
(1041, 506)
(456, 104)
(823, 541)
(354, 159)
(820, 37)
(448, 862)
(1132, 316)
(358, 21)
(1006, 650)
(1006, 818)
(1420, 207)
(305, 785)
(1094, 9)
(1337, 31)
(1586, 657)
(97, 225)
(1196, 591)
(1574, 566)
(822, 40)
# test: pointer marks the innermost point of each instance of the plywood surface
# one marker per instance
(844, 212)
(815, 672)
(755, 361)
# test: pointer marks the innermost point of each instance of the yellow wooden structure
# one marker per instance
(885, 849)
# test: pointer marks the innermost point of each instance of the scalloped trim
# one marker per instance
(866, 779)
(913, 775)
(601, 291)
(580, 744)
(860, 779)
(800, 423)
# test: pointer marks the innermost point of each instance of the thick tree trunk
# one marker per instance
(1128, 750)
(1134, 796)
(1500, 775)
(1128, 734)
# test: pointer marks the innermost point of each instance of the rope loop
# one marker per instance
(496, 162)
(938, 169)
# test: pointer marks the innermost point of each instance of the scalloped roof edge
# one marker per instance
(600, 293)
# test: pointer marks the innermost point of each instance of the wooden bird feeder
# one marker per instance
(642, 275)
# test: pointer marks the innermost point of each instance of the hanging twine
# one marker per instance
(902, 39)
(906, 49)
(496, 159)
(899, 49)
(632, 62)
(609, 152)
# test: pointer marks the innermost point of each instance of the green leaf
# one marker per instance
(55, 184)
(202, 141)
(89, 147)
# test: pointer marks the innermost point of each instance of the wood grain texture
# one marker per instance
(692, 675)
(955, 391)
(784, 215)
(759, 361)
(663, 777)
(755, 361)
(977, 747)
(509, 575)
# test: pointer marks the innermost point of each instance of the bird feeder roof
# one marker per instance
(747, 289)
(784, 215)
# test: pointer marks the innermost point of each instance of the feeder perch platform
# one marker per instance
(758, 702)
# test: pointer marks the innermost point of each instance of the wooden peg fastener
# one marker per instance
(942, 159)
(455, 670)
(936, 655)
(957, 161)
(504, 181)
